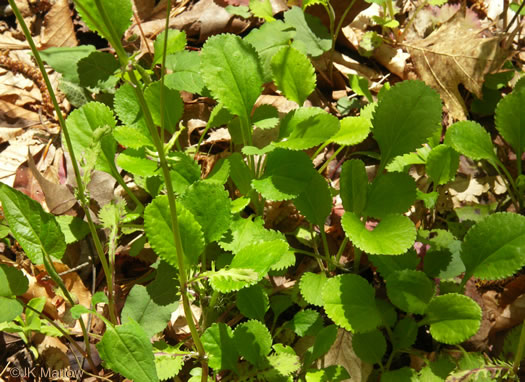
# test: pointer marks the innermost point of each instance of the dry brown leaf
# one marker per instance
(58, 30)
(456, 54)
(143, 8)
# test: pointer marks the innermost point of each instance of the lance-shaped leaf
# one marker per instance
(472, 140)
(294, 74)
(157, 223)
(36, 230)
(510, 120)
(354, 186)
(231, 71)
(306, 127)
(394, 234)
(453, 318)
(495, 247)
(127, 350)
(120, 16)
(407, 115)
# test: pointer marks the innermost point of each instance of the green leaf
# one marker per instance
(394, 234)
(353, 130)
(184, 171)
(370, 347)
(265, 117)
(280, 303)
(220, 172)
(312, 37)
(127, 106)
(267, 40)
(306, 323)
(442, 164)
(10, 308)
(75, 94)
(360, 86)
(287, 175)
(36, 231)
(386, 310)
(369, 43)
(185, 66)
(293, 74)
(157, 224)
(354, 186)
(163, 290)
(437, 371)
(405, 333)
(220, 347)
(407, 115)
(405, 374)
(328, 374)
(316, 202)
(387, 265)
(306, 127)
(172, 109)
(241, 11)
(126, 349)
(227, 280)
(169, 364)
(310, 286)
(355, 311)
(176, 43)
(64, 60)
(240, 173)
(409, 290)
(231, 71)
(73, 228)
(262, 9)
(323, 342)
(120, 11)
(253, 341)
(510, 120)
(210, 205)
(97, 70)
(472, 140)
(253, 302)
(453, 318)
(495, 247)
(390, 193)
(82, 124)
(133, 137)
(12, 281)
(136, 162)
(282, 365)
(141, 308)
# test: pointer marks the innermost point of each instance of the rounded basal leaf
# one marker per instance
(315, 203)
(10, 308)
(306, 127)
(410, 290)
(287, 175)
(265, 117)
(253, 302)
(370, 347)
(157, 224)
(220, 347)
(176, 43)
(311, 285)
(136, 162)
(453, 318)
(495, 247)
(387, 265)
(349, 301)
(311, 35)
(353, 130)
(405, 374)
(127, 105)
(354, 186)
(405, 333)
(387, 311)
(306, 323)
(120, 11)
(231, 71)
(328, 374)
(510, 120)
(211, 207)
(185, 66)
(407, 115)
(36, 231)
(12, 281)
(294, 74)
(393, 235)
(390, 193)
(262, 9)
(253, 341)
(323, 342)
(172, 105)
(96, 71)
(126, 349)
(442, 164)
(133, 137)
(184, 171)
(82, 124)
(141, 308)
(470, 139)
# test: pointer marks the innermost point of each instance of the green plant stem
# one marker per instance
(514, 190)
(519, 350)
(74, 343)
(328, 259)
(411, 21)
(357, 259)
(123, 184)
(325, 164)
(331, 17)
(335, 34)
(341, 249)
(74, 163)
